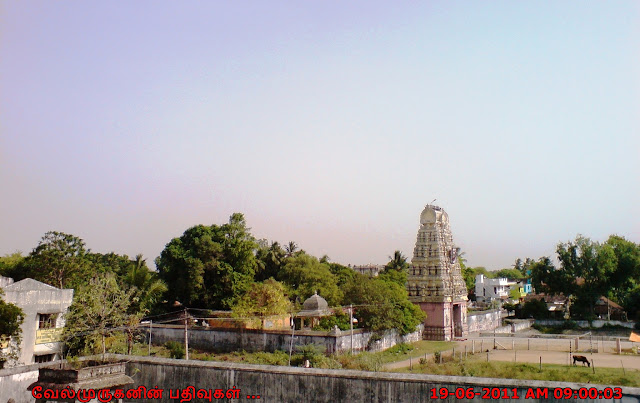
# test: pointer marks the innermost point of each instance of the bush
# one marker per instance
(312, 352)
(401, 348)
(176, 349)
(278, 357)
(361, 362)
(536, 309)
(339, 318)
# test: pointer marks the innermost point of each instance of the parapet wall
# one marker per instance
(14, 382)
(294, 384)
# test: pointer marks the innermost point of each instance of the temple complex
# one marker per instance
(434, 281)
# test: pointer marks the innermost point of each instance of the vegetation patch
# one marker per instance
(549, 372)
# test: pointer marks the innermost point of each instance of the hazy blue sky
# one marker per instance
(328, 123)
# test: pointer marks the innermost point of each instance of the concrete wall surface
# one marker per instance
(293, 384)
(14, 382)
(483, 321)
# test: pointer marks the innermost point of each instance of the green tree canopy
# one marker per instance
(9, 263)
(59, 260)
(382, 305)
(262, 299)
(98, 308)
(511, 274)
(209, 266)
(591, 262)
(270, 261)
(11, 318)
(624, 282)
(304, 275)
(343, 274)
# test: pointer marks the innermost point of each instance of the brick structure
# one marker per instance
(434, 281)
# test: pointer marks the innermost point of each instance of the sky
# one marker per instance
(331, 124)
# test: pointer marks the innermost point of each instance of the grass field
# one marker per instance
(476, 366)
(401, 352)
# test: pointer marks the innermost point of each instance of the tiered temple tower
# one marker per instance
(435, 280)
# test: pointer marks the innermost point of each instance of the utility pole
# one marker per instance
(186, 335)
(150, 332)
(351, 323)
(293, 333)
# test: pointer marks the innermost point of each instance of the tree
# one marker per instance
(397, 262)
(11, 318)
(262, 299)
(271, 259)
(110, 263)
(625, 279)
(382, 305)
(148, 288)
(342, 273)
(99, 308)
(397, 276)
(541, 275)
(535, 309)
(511, 274)
(305, 275)
(291, 248)
(59, 260)
(591, 262)
(396, 269)
(210, 266)
(9, 263)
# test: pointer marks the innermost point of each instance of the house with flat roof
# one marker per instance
(44, 307)
(490, 289)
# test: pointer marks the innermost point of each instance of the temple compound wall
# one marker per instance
(434, 280)
(335, 341)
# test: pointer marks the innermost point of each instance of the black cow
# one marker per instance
(582, 359)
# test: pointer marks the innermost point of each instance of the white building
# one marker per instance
(371, 270)
(489, 289)
(44, 307)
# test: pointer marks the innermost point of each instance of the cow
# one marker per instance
(582, 359)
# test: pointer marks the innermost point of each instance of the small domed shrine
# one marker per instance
(434, 281)
(313, 309)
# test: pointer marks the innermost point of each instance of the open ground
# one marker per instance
(551, 350)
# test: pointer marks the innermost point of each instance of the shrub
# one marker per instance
(536, 309)
(339, 318)
(176, 349)
(400, 348)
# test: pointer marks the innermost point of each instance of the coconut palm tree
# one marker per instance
(291, 248)
(149, 288)
(397, 262)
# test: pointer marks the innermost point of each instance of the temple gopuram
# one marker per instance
(434, 281)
